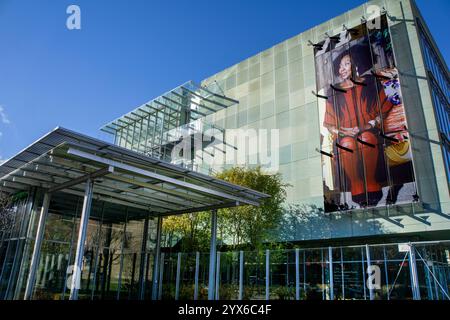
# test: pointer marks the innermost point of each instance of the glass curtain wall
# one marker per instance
(440, 92)
(116, 263)
(339, 273)
(16, 225)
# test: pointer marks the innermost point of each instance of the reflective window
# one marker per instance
(440, 92)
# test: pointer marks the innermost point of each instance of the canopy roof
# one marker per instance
(189, 97)
(63, 160)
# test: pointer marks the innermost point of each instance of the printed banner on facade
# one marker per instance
(366, 156)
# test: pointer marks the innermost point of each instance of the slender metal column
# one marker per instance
(37, 247)
(267, 274)
(297, 274)
(386, 272)
(82, 232)
(212, 255)
(59, 263)
(304, 271)
(52, 267)
(427, 277)
(330, 272)
(156, 262)
(428, 282)
(177, 280)
(323, 276)
(44, 278)
(69, 255)
(369, 263)
(217, 275)
(97, 253)
(413, 271)
(161, 276)
(147, 269)
(241, 274)
(143, 261)
(287, 270)
(436, 292)
(363, 273)
(197, 269)
(40, 271)
(122, 256)
(342, 275)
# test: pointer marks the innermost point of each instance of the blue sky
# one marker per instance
(128, 52)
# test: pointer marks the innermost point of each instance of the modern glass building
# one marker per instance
(400, 186)
(354, 114)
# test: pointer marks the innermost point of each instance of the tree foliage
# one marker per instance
(192, 230)
(7, 211)
(244, 225)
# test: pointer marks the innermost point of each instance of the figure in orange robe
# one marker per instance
(352, 115)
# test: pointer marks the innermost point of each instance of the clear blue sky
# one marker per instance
(128, 52)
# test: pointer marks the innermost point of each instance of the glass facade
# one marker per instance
(440, 92)
(14, 248)
(276, 89)
(116, 264)
(328, 273)
(387, 177)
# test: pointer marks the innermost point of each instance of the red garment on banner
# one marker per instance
(355, 111)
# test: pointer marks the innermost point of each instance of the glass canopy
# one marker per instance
(185, 103)
(154, 128)
(62, 159)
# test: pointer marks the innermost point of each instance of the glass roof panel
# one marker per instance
(197, 100)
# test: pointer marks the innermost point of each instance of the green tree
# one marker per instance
(248, 224)
(192, 229)
(7, 211)
(244, 225)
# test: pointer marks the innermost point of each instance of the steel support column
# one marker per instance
(267, 274)
(413, 272)
(363, 261)
(156, 262)
(37, 247)
(177, 280)
(82, 232)
(369, 263)
(97, 254)
(212, 255)
(297, 274)
(161, 276)
(330, 272)
(197, 270)
(217, 275)
(144, 261)
(122, 256)
(386, 273)
(241, 274)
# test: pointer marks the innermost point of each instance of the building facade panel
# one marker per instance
(287, 78)
(277, 90)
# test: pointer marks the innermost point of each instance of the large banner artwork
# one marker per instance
(366, 153)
